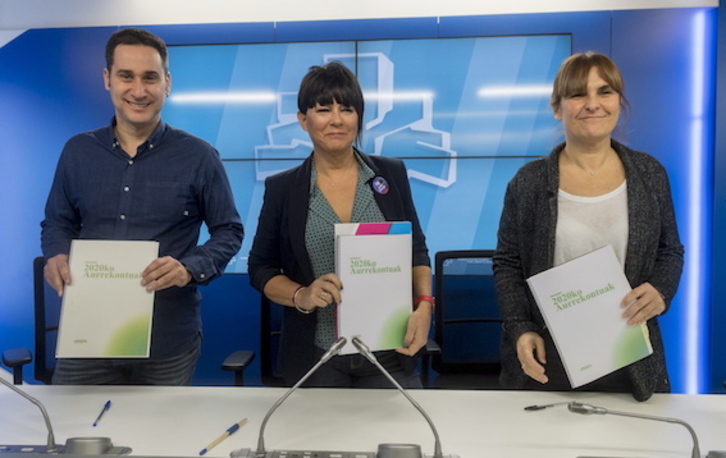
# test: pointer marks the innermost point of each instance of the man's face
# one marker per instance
(138, 85)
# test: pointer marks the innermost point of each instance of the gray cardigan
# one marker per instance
(526, 242)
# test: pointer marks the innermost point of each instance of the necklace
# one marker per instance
(342, 176)
(590, 172)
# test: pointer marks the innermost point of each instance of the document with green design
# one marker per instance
(373, 260)
(580, 302)
(106, 313)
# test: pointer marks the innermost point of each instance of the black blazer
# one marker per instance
(279, 246)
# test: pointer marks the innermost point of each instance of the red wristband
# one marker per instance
(423, 298)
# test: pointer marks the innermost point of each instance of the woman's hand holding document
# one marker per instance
(580, 302)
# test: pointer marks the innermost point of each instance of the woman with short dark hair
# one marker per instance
(292, 259)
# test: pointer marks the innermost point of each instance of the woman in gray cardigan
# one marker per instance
(591, 191)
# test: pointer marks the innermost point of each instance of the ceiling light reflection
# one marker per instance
(224, 97)
(515, 91)
(399, 95)
(268, 97)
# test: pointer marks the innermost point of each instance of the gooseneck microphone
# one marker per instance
(73, 445)
(332, 351)
(587, 409)
(51, 446)
(365, 351)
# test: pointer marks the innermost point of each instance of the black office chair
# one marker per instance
(47, 306)
(236, 363)
(270, 326)
(467, 321)
(270, 331)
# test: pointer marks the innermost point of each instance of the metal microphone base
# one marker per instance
(249, 453)
(74, 446)
(711, 454)
(30, 449)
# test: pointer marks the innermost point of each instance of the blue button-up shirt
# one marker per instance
(174, 183)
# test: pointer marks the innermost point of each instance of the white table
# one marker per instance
(168, 421)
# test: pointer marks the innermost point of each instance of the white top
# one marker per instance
(585, 224)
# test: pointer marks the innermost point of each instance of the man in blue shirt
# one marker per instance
(141, 179)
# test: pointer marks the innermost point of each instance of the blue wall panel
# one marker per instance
(256, 32)
(590, 31)
(666, 59)
(718, 272)
(51, 88)
(364, 29)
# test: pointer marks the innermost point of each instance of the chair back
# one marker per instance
(271, 315)
(467, 321)
(47, 307)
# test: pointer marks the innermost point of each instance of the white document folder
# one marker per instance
(106, 313)
(580, 302)
(373, 261)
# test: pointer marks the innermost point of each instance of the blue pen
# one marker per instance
(105, 409)
(231, 430)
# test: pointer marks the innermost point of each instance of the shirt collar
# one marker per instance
(151, 142)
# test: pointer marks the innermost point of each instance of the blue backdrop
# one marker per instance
(463, 113)
(51, 88)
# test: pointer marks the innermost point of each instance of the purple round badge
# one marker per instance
(380, 185)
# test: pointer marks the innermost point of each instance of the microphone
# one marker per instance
(545, 406)
(365, 351)
(587, 409)
(50, 447)
(384, 450)
(74, 445)
(332, 351)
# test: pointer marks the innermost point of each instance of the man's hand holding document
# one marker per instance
(106, 313)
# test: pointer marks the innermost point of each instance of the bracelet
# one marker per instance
(423, 298)
(300, 309)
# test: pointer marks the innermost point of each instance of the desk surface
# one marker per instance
(180, 421)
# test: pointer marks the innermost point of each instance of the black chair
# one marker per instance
(467, 321)
(47, 306)
(237, 362)
(270, 330)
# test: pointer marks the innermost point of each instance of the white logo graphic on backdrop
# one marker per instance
(418, 135)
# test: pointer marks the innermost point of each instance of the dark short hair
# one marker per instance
(332, 82)
(134, 36)
(574, 72)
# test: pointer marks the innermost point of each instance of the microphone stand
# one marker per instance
(51, 447)
(332, 351)
(365, 351)
(587, 409)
